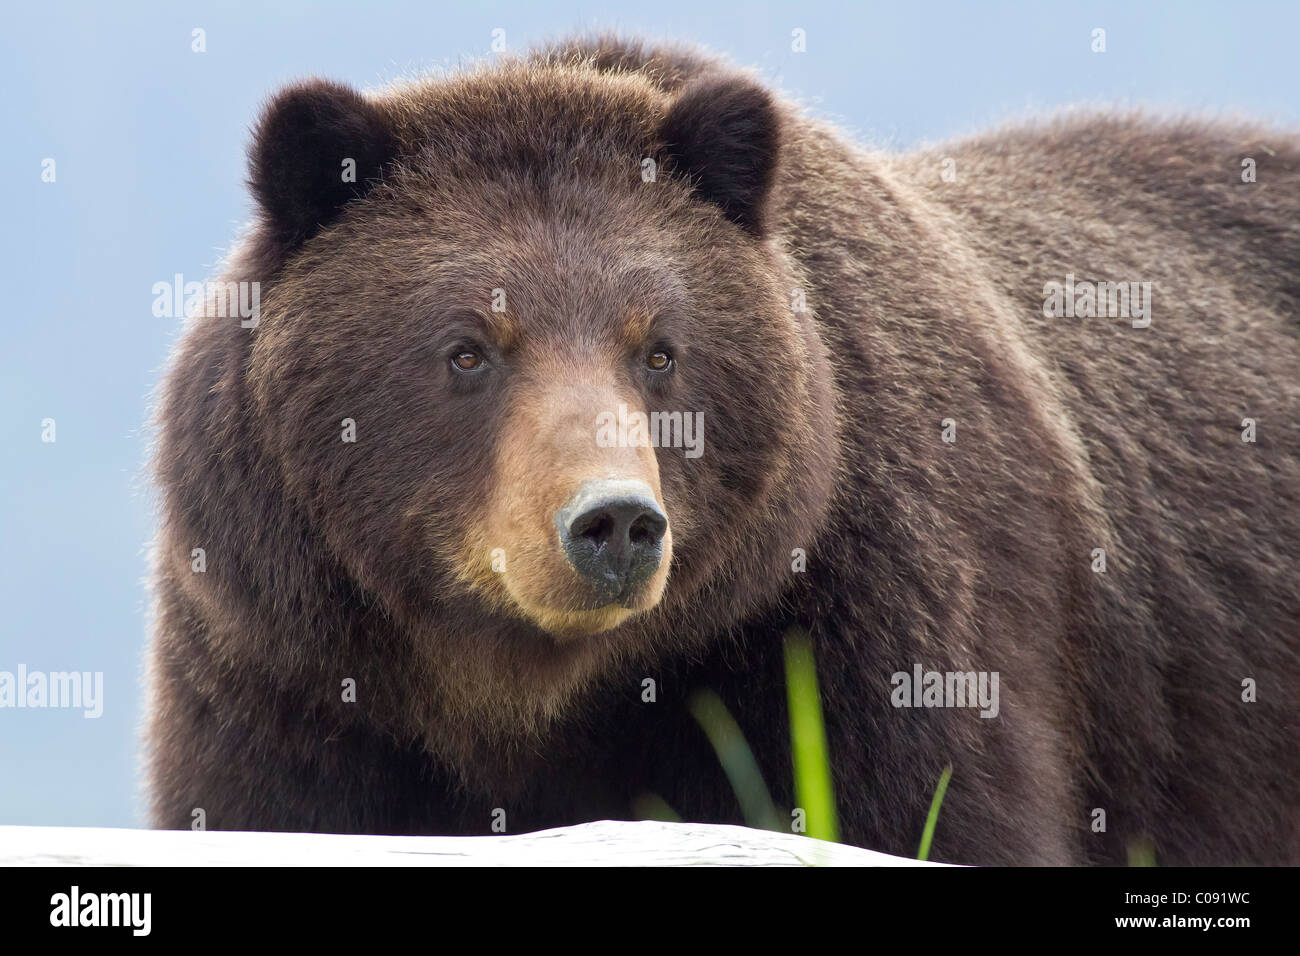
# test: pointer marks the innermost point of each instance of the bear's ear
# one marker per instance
(298, 164)
(724, 133)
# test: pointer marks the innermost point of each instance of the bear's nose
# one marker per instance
(612, 534)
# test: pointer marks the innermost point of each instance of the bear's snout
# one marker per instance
(579, 530)
(612, 534)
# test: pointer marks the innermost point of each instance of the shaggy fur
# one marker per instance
(329, 560)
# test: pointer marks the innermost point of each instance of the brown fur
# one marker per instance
(476, 690)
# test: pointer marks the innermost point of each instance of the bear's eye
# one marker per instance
(467, 361)
(659, 361)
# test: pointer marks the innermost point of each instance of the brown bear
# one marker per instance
(1021, 408)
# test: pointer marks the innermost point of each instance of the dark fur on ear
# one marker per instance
(724, 133)
(296, 160)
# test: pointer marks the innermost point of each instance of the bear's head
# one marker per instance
(531, 352)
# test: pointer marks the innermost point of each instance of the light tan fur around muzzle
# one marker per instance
(548, 451)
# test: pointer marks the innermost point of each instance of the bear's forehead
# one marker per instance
(525, 118)
(545, 297)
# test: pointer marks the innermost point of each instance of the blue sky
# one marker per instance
(148, 139)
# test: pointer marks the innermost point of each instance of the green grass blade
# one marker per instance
(932, 818)
(651, 806)
(814, 791)
(737, 761)
(1141, 852)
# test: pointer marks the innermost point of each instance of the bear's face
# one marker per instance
(518, 378)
